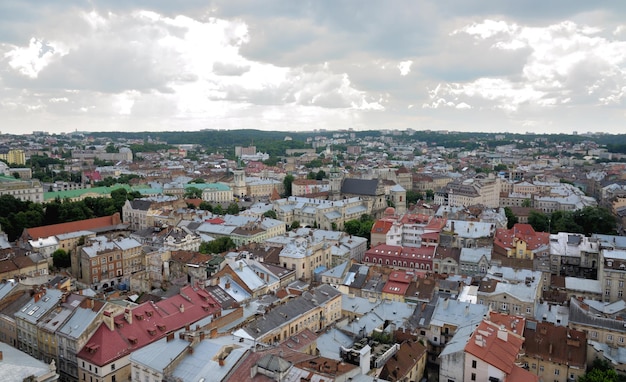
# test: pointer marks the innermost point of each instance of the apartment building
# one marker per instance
(314, 310)
(105, 262)
(24, 190)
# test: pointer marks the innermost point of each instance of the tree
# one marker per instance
(352, 227)
(539, 221)
(510, 217)
(601, 371)
(413, 197)
(270, 214)
(193, 193)
(321, 174)
(295, 225)
(61, 259)
(499, 167)
(232, 209)
(595, 220)
(430, 194)
(206, 206)
(527, 203)
(218, 210)
(287, 182)
(219, 245)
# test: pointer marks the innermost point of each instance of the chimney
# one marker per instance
(170, 337)
(504, 335)
(181, 308)
(467, 310)
(1, 356)
(108, 320)
(445, 303)
(128, 315)
(221, 361)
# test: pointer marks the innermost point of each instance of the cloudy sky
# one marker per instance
(472, 65)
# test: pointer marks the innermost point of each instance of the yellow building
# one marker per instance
(13, 156)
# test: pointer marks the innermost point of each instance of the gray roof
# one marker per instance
(160, 354)
(594, 318)
(141, 204)
(17, 366)
(34, 310)
(78, 323)
(289, 311)
(359, 186)
(273, 363)
(457, 313)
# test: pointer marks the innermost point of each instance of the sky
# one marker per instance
(160, 65)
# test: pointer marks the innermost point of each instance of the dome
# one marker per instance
(390, 211)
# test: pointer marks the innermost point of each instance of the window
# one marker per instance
(473, 376)
(621, 340)
(607, 292)
(609, 337)
(473, 364)
(594, 334)
(621, 283)
(528, 310)
(620, 293)
(541, 368)
(112, 366)
(557, 371)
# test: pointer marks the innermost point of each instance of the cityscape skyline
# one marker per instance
(283, 66)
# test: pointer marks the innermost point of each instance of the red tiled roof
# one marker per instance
(424, 252)
(486, 345)
(382, 226)
(216, 221)
(150, 322)
(395, 287)
(506, 238)
(62, 228)
(519, 374)
(401, 276)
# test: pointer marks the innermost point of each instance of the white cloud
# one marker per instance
(32, 59)
(405, 67)
(566, 63)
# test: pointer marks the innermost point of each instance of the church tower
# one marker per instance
(334, 182)
(239, 182)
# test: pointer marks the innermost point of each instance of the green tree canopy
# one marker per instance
(193, 193)
(287, 182)
(601, 371)
(510, 217)
(232, 209)
(270, 214)
(219, 245)
(61, 259)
